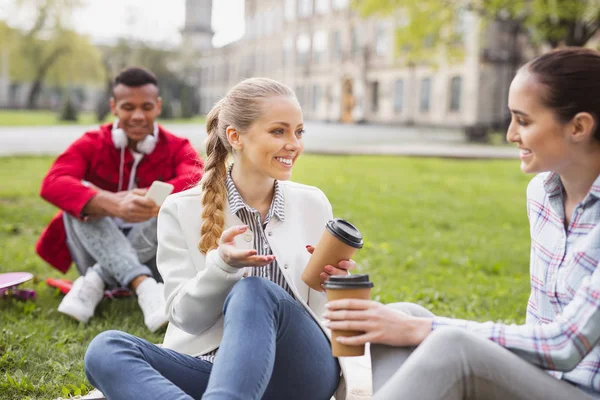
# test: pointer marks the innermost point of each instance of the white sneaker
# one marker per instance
(84, 296)
(151, 299)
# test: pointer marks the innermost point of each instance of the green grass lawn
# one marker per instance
(449, 235)
(47, 118)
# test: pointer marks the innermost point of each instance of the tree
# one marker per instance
(49, 51)
(436, 23)
(178, 97)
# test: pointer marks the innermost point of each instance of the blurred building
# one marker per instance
(344, 68)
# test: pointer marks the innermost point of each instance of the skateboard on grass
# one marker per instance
(9, 285)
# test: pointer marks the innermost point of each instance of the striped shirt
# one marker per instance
(562, 328)
(257, 225)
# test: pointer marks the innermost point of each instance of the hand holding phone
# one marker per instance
(159, 191)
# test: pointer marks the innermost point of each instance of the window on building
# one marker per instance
(340, 4)
(288, 49)
(259, 64)
(275, 21)
(250, 28)
(202, 75)
(300, 95)
(317, 93)
(302, 48)
(289, 11)
(399, 96)
(355, 45)
(306, 8)
(250, 65)
(322, 6)
(259, 21)
(226, 71)
(381, 40)
(425, 95)
(13, 90)
(460, 25)
(336, 45)
(319, 46)
(375, 96)
(455, 93)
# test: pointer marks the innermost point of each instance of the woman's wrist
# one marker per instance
(420, 329)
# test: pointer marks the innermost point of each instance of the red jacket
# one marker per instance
(94, 158)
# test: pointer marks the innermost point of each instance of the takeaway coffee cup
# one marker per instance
(339, 242)
(347, 287)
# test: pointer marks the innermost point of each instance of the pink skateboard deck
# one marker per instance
(9, 283)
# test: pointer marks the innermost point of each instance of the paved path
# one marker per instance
(320, 138)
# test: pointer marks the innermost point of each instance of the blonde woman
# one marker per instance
(243, 325)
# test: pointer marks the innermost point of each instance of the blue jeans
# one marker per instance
(271, 349)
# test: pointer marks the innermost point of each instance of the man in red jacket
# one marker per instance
(99, 184)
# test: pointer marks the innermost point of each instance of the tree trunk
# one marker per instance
(36, 87)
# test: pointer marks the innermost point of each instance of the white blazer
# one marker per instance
(196, 285)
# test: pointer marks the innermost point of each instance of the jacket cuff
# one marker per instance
(214, 258)
(84, 198)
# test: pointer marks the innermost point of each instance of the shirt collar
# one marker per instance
(236, 202)
(595, 189)
(553, 186)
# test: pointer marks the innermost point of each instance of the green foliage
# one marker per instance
(449, 235)
(428, 27)
(167, 112)
(69, 110)
(178, 97)
(188, 109)
(49, 52)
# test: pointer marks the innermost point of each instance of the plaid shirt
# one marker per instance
(562, 327)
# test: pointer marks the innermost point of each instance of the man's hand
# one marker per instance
(124, 193)
(379, 323)
(341, 269)
(240, 258)
(135, 207)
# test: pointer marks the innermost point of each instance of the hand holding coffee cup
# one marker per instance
(339, 242)
(240, 258)
(355, 287)
(378, 323)
(343, 268)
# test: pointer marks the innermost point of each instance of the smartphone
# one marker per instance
(159, 191)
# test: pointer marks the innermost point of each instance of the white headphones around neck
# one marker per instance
(145, 146)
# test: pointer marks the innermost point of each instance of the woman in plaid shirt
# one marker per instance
(555, 105)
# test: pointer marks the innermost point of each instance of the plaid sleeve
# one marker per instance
(559, 345)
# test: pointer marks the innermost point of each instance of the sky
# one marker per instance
(158, 21)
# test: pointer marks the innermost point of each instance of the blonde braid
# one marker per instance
(214, 191)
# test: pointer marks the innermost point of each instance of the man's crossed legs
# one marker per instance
(120, 261)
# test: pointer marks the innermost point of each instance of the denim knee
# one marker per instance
(258, 290)
(99, 356)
